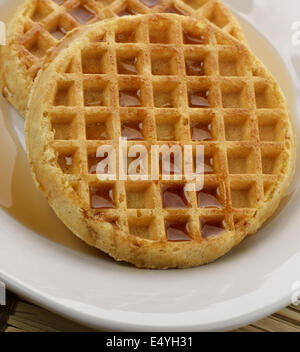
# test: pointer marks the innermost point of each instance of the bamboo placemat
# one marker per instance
(21, 316)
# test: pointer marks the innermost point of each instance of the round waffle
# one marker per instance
(159, 79)
(39, 25)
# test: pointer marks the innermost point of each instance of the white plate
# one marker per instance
(43, 262)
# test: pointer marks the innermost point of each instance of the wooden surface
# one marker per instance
(20, 316)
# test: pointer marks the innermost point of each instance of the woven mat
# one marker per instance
(20, 316)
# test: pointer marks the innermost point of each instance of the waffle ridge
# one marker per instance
(39, 25)
(249, 143)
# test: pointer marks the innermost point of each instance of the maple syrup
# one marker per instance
(198, 98)
(176, 10)
(132, 130)
(211, 227)
(175, 167)
(201, 132)
(93, 98)
(188, 38)
(66, 162)
(130, 98)
(126, 12)
(209, 199)
(59, 33)
(82, 14)
(167, 105)
(100, 38)
(19, 197)
(174, 197)
(209, 165)
(62, 97)
(113, 222)
(194, 67)
(177, 231)
(96, 131)
(163, 100)
(127, 66)
(150, 3)
(93, 162)
(125, 37)
(102, 198)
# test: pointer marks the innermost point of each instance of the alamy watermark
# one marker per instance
(2, 294)
(168, 162)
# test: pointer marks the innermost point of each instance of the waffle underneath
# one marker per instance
(39, 25)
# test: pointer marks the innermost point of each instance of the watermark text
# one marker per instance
(168, 162)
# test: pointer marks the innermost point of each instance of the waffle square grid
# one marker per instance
(50, 20)
(158, 99)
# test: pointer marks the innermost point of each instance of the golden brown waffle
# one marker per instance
(39, 25)
(159, 79)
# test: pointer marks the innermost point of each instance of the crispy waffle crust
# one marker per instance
(80, 101)
(39, 25)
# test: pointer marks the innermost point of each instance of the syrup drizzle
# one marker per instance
(113, 221)
(194, 68)
(175, 168)
(96, 131)
(93, 98)
(198, 98)
(133, 130)
(125, 37)
(209, 199)
(188, 38)
(176, 10)
(201, 132)
(127, 66)
(66, 162)
(130, 98)
(82, 14)
(175, 197)
(150, 3)
(166, 104)
(20, 199)
(211, 228)
(59, 32)
(100, 38)
(102, 198)
(127, 12)
(177, 231)
(208, 165)
(93, 162)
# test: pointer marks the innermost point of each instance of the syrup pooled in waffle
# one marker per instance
(39, 25)
(158, 79)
